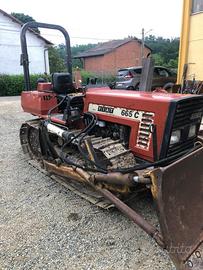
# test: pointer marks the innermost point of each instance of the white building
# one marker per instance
(10, 48)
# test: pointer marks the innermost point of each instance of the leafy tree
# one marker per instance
(80, 49)
(159, 61)
(74, 51)
(24, 19)
(56, 63)
(164, 51)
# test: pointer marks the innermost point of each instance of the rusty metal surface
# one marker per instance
(116, 182)
(66, 171)
(83, 177)
(82, 190)
(134, 216)
(85, 191)
(178, 192)
(114, 152)
(116, 179)
(195, 261)
(29, 137)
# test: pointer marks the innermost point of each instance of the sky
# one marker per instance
(93, 21)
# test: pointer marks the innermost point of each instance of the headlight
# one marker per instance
(192, 131)
(175, 136)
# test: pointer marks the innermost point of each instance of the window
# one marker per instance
(137, 70)
(163, 72)
(197, 6)
(122, 72)
(156, 73)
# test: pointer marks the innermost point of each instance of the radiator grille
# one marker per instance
(144, 133)
(188, 112)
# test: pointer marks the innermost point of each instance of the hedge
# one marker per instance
(13, 85)
(105, 78)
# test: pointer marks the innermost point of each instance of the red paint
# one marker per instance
(44, 87)
(38, 103)
(158, 103)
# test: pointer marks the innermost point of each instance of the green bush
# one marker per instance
(106, 78)
(85, 75)
(13, 85)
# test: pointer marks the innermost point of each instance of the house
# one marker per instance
(191, 42)
(108, 57)
(10, 47)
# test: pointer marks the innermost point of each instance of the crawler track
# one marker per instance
(113, 150)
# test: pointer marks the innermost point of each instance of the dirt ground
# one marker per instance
(45, 226)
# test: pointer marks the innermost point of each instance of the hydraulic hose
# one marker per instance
(53, 108)
(85, 131)
(101, 169)
(155, 164)
(137, 167)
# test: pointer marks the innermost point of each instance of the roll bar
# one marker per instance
(24, 53)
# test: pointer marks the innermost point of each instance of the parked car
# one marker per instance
(129, 78)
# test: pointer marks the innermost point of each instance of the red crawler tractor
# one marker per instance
(119, 141)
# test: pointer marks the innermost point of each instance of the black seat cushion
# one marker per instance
(62, 83)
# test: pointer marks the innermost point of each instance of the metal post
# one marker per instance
(142, 45)
(147, 74)
(135, 217)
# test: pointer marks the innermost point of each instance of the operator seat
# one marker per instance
(62, 83)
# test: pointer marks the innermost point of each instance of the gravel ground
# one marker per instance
(45, 226)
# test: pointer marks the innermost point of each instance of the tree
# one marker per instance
(159, 61)
(56, 63)
(24, 19)
(164, 51)
(74, 51)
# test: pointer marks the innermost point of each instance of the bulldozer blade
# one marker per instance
(178, 193)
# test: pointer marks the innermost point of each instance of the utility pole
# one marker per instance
(143, 41)
(142, 45)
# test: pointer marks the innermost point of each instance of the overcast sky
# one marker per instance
(93, 21)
